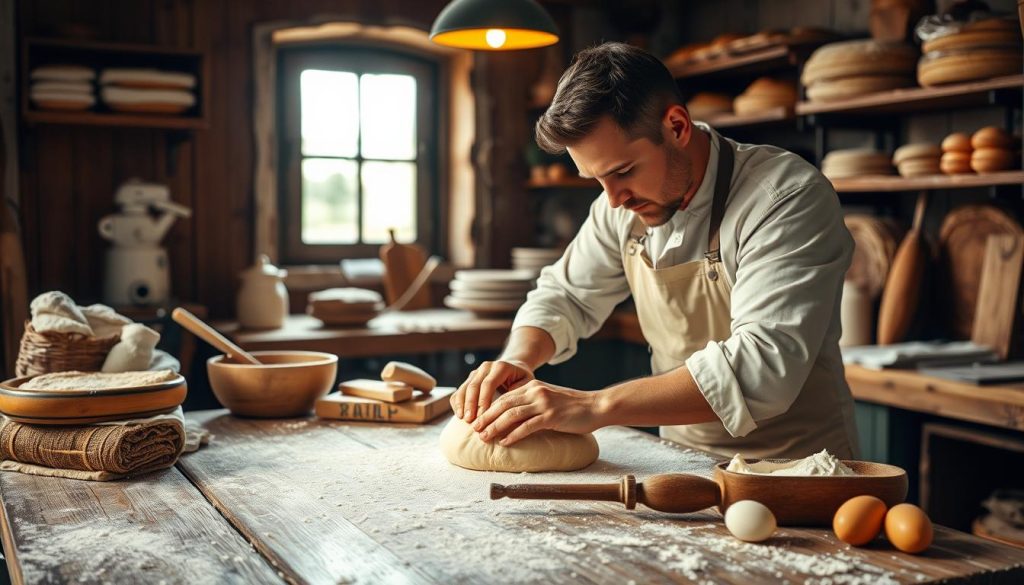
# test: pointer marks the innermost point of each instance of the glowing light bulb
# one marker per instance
(495, 37)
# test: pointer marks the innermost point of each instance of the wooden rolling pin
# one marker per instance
(409, 374)
(667, 492)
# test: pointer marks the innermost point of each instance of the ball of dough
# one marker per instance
(541, 451)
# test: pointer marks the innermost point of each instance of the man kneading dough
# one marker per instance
(734, 254)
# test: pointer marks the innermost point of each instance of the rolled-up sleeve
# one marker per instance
(575, 295)
(789, 272)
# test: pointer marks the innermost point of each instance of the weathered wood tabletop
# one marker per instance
(310, 501)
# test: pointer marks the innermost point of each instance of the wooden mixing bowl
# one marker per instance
(286, 384)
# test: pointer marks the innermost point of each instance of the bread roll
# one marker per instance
(956, 163)
(992, 160)
(957, 142)
(991, 137)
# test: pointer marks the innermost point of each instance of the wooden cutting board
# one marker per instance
(874, 248)
(962, 241)
(999, 293)
(402, 263)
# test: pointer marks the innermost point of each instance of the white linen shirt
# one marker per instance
(785, 249)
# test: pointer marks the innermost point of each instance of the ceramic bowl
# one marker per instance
(79, 407)
(287, 384)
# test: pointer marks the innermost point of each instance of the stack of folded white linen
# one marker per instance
(151, 91)
(62, 87)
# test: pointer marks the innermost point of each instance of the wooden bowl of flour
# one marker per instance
(811, 500)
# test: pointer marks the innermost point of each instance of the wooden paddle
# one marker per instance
(402, 264)
(903, 285)
(200, 329)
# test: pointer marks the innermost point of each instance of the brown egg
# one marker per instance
(859, 520)
(908, 528)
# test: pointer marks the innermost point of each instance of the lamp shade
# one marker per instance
(494, 25)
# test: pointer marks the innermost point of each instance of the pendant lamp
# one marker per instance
(494, 25)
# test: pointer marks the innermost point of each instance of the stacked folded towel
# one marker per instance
(150, 91)
(100, 451)
(62, 87)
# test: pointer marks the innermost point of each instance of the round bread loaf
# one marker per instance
(955, 163)
(968, 66)
(991, 137)
(917, 167)
(706, 104)
(957, 142)
(849, 87)
(859, 58)
(992, 160)
(917, 150)
(974, 39)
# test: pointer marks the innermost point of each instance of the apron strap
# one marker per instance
(722, 183)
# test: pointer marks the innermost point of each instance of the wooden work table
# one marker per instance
(307, 501)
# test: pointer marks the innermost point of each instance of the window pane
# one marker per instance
(388, 116)
(330, 112)
(330, 212)
(389, 201)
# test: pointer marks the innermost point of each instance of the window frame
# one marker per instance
(360, 59)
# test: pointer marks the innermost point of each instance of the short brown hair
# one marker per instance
(622, 81)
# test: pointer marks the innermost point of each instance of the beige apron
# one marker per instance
(682, 307)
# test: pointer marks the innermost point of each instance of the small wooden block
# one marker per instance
(377, 390)
(421, 409)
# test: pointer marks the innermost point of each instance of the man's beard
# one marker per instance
(678, 180)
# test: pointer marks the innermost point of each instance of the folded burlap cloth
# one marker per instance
(100, 451)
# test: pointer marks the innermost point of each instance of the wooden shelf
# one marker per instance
(566, 183)
(98, 55)
(764, 60)
(894, 184)
(920, 99)
(773, 116)
(87, 118)
(1001, 406)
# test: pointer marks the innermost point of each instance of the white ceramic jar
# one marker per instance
(262, 298)
(857, 316)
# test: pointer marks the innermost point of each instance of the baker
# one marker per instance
(734, 255)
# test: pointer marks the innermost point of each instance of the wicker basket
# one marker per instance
(51, 351)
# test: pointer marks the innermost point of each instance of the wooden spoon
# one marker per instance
(200, 329)
(794, 500)
(903, 286)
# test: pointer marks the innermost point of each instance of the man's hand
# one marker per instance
(479, 389)
(536, 406)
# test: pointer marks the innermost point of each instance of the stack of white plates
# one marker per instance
(534, 258)
(490, 292)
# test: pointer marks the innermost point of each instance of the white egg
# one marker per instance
(750, 521)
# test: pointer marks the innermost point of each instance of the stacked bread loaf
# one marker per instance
(851, 68)
(150, 91)
(763, 94)
(917, 159)
(856, 162)
(973, 51)
(993, 150)
(706, 104)
(956, 154)
(340, 307)
(62, 87)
